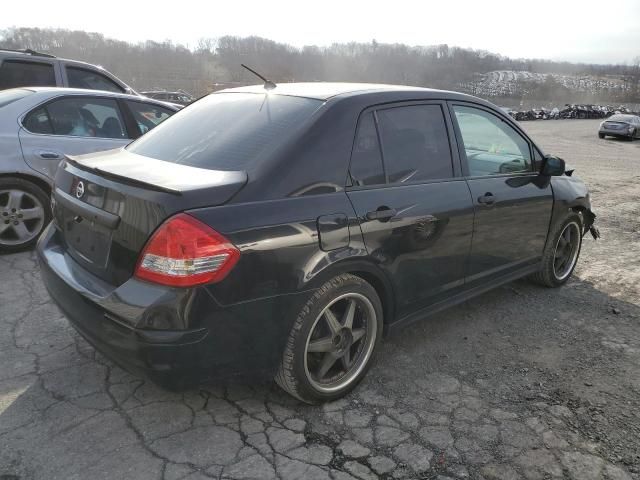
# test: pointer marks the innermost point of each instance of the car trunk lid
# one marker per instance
(107, 205)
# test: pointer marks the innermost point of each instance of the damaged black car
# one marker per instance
(282, 231)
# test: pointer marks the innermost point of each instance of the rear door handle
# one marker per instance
(487, 199)
(49, 155)
(382, 213)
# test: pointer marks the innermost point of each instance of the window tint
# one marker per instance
(14, 73)
(366, 160)
(89, 79)
(38, 121)
(492, 146)
(80, 117)
(415, 143)
(147, 115)
(227, 131)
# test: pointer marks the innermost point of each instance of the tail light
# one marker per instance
(185, 252)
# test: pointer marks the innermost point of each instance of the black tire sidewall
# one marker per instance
(351, 285)
(36, 191)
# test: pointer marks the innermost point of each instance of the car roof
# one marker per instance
(55, 91)
(326, 90)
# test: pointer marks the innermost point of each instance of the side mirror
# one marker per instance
(552, 166)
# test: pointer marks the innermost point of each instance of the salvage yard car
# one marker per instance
(279, 233)
(621, 126)
(38, 127)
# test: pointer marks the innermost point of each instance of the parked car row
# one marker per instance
(567, 112)
(275, 231)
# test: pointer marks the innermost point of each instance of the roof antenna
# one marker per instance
(268, 84)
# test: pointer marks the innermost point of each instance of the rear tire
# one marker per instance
(632, 136)
(561, 253)
(333, 340)
(24, 214)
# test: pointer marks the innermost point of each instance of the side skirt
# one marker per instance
(458, 298)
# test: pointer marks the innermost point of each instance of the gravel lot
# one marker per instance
(522, 382)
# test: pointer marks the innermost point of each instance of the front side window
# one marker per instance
(415, 143)
(366, 159)
(147, 115)
(91, 80)
(78, 117)
(227, 131)
(491, 145)
(18, 73)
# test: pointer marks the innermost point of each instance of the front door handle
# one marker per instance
(382, 214)
(487, 199)
(49, 155)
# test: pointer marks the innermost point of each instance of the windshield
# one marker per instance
(10, 96)
(226, 131)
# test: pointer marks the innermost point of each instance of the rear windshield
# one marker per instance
(620, 118)
(10, 96)
(226, 131)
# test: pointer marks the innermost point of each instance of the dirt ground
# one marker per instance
(522, 382)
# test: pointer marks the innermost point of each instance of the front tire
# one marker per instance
(561, 253)
(601, 135)
(24, 213)
(332, 342)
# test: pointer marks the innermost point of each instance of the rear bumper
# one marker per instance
(243, 341)
(624, 133)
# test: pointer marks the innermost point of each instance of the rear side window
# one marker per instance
(17, 73)
(89, 79)
(227, 131)
(78, 117)
(415, 144)
(366, 159)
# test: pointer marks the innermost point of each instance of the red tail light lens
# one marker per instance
(185, 252)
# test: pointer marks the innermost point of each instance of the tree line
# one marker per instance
(215, 62)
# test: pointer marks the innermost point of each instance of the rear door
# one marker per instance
(415, 210)
(512, 201)
(71, 125)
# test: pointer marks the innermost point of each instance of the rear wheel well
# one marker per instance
(382, 290)
(30, 178)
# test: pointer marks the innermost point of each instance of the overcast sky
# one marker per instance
(586, 30)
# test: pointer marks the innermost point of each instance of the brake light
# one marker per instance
(185, 252)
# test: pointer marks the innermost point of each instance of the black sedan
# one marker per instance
(282, 232)
(621, 126)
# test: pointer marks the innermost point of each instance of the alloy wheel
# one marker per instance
(566, 253)
(22, 217)
(340, 342)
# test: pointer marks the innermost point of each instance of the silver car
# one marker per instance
(621, 126)
(38, 127)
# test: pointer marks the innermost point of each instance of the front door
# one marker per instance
(512, 202)
(415, 210)
(70, 126)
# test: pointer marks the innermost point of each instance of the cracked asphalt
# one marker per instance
(520, 383)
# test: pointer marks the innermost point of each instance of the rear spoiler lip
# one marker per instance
(121, 178)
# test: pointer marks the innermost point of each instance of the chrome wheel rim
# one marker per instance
(21, 217)
(566, 252)
(340, 342)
